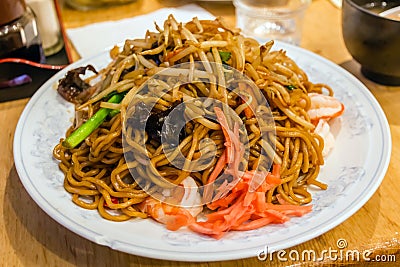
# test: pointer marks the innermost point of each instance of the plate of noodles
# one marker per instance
(106, 182)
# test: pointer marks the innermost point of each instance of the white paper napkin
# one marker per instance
(336, 3)
(95, 38)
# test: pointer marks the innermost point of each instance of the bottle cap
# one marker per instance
(11, 10)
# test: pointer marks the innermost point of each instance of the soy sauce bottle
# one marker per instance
(19, 36)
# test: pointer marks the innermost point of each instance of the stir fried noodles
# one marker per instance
(112, 166)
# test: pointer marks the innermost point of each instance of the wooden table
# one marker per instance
(29, 237)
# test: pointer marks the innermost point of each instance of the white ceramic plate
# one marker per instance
(353, 171)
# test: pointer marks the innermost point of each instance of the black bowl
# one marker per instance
(372, 40)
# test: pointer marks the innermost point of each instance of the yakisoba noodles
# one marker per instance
(96, 172)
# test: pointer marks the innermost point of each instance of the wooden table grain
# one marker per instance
(29, 237)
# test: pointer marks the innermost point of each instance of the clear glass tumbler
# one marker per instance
(49, 26)
(271, 19)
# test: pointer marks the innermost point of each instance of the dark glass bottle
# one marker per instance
(19, 36)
